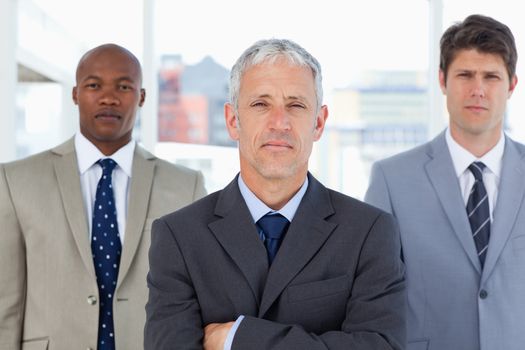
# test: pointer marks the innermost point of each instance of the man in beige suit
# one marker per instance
(49, 295)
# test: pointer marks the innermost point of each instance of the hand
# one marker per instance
(215, 335)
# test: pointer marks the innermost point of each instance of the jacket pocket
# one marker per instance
(318, 289)
(417, 345)
(36, 344)
(518, 243)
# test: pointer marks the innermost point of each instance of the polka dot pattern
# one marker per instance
(106, 249)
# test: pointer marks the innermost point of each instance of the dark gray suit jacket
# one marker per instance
(337, 281)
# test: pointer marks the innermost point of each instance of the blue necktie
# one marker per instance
(274, 227)
(478, 211)
(106, 249)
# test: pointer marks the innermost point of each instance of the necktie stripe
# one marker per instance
(483, 250)
(479, 168)
(481, 227)
(478, 205)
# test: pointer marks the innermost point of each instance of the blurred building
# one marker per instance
(383, 113)
(191, 102)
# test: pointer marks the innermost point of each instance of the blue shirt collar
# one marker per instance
(258, 209)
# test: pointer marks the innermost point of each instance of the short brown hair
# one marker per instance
(483, 34)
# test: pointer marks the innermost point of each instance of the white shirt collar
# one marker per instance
(88, 154)
(461, 158)
(258, 209)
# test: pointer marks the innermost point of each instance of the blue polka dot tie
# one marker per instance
(274, 227)
(106, 248)
(478, 212)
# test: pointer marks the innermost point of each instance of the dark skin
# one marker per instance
(108, 95)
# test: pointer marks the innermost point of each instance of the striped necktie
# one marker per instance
(478, 211)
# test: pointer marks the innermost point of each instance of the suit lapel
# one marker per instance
(510, 197)
(140, 190)
(68, 180)
(440, 171)
(307, 233)
(238, 236)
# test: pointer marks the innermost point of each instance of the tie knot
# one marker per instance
(476, 168)
(107, 165)
(273, 225)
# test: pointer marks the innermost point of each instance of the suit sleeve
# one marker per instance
(173, 319)
(375, 311)
(378, 193)
(12, 270)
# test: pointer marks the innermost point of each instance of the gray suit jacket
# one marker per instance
(453, 304)
(336, 282)
(46, 267)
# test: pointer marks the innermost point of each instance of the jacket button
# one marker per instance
(92, 300)
(483, 294)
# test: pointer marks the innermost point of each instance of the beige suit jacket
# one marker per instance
(48, 290)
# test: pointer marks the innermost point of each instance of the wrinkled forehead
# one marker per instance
(277, 79)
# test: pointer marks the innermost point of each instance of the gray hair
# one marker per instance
(268, 51)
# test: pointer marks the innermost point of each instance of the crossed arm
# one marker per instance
(375, 309)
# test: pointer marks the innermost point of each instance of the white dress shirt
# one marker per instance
(90, 173)
(461, 158)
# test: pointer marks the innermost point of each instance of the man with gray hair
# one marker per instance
(275, 260)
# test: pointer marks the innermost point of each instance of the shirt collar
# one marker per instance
(461, 158)
(258, 209)
(88, 154)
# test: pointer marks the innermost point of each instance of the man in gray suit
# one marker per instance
(51, 288)
(221, 274)
(459, 203)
